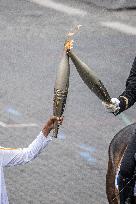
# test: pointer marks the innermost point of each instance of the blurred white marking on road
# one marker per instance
(22, 125)
(2, 124)
(60, 7)
(130, 30)
(18, 125)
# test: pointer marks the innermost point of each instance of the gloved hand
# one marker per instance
(112, 107)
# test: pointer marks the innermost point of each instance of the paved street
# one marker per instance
(72, 169)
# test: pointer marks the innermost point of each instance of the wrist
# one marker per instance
(43, 138)
(125, 99)
(46, 131)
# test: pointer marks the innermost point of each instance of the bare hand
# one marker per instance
(50, 124)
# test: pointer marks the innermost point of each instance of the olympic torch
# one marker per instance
(61, 86)
(90, 78)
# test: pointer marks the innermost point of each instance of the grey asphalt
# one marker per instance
(72, 169)
(114, 4)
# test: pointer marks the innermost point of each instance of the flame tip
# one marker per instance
(74, 31)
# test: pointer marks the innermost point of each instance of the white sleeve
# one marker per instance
(12, 157)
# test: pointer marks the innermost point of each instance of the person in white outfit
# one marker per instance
(13, 156)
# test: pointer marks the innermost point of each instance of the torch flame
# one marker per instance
(75, 30)
(68, 45)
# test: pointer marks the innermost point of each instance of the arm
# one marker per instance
(12, 157)
(21, 156)
(128, 97)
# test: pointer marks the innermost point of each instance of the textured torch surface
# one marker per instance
(61, 89)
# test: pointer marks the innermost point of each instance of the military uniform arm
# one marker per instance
(128, 97)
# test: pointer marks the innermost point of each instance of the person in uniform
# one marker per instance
(21, 156)
(127, 168)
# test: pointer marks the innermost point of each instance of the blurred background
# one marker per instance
(72, 169)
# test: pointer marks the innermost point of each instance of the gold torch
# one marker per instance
(61, 86)
(90, 78)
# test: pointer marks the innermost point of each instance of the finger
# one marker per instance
(53, 119)
(56, 119)
(60, 120)
(107, 106)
